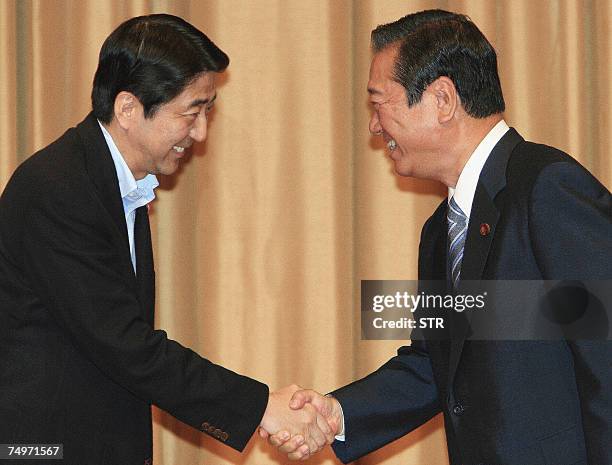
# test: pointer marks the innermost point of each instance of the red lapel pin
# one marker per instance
(485, 229)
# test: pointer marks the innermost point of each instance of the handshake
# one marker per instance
(300, 422)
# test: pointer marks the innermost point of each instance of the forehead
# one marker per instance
(381, 70)
(201, 90)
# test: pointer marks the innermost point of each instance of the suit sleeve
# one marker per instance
(72, 260)
(571, 232)
(397, 398)
(387, 404)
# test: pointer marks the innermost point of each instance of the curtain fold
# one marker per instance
(9, 116)
(262, 238)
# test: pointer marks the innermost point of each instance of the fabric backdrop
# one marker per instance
(262, 238)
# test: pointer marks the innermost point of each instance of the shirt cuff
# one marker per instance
(342, 435)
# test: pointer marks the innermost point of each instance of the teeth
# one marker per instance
(179, 149)
(391, 145)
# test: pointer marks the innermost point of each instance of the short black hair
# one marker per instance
(435, 43)
(154, 57)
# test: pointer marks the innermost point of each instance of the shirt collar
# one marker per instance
(465, 189)
(130, 189)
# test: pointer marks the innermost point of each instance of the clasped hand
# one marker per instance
(300, 422)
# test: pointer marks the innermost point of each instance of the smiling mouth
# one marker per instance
(178, 149)
(391, 145)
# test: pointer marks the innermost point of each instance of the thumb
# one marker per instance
(300, 398)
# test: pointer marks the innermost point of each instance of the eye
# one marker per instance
(208, 108)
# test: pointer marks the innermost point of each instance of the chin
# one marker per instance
(169, 169)
(169, 172)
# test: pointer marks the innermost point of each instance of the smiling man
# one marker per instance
(515, 211)
(81, 363)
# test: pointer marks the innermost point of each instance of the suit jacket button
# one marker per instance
(485, 229)
(211, 429)
(458, 409)
(224, 436)
(204, 426)
(217, 433)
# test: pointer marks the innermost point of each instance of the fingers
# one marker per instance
(325, 429)
(325, 406)
(293, 445)
(302, 397)
(281, 437)
(303, 453)
(310, 420)
(315, 438)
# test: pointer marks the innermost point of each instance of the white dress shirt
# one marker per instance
(134, 194)
(465, 189)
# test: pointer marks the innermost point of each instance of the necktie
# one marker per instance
(457, 230)
(144, 263)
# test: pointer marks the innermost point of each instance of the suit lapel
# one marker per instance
(432, 250)
(103, 176)
(485, 215)
(477, 245)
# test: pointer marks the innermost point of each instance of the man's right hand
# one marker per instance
(303, 427)
(328, 407)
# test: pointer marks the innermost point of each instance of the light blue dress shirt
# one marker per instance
(134, 194)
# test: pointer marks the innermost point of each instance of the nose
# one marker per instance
(198, 131)
(374, 126)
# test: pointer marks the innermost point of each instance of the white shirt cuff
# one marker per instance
(341, 436)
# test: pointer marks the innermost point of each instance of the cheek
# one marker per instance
(167, 138)
(181, 132)
(389, 122)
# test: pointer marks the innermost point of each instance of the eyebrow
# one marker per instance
(373, 91)
(199, 102)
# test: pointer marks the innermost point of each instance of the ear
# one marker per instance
(446, 97)
(127, 109)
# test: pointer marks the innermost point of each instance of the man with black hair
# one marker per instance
(515, 211)
(81, 363)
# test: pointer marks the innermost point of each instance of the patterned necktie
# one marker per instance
(457, 230)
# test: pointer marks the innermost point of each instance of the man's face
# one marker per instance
(161, 141)
(409, 132)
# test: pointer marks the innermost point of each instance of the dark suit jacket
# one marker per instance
(80, 362)
(505, 402)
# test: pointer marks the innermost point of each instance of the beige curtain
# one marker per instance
(262, 238)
